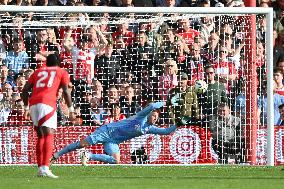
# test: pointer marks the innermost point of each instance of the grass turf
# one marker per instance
(124, 177)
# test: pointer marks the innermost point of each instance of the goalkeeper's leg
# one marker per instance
(112, 155)
(97, 137)
(69, 148)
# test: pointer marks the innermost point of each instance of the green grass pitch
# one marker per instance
(160, 177)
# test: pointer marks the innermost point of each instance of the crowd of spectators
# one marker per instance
(120, 62)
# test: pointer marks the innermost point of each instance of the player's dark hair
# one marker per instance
(281, 59)
(157, 110)
(52, 60)
(281, 106)
(277, 70)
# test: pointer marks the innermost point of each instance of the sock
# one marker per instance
(44, 168)
(102, 157)
(48, 149)
(40, 169)
(68, 148)
(39, 150)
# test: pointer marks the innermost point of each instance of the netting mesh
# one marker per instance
(118, 63)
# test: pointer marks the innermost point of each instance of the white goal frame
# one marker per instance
(268, 12)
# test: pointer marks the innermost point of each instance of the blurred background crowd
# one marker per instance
(120, 62)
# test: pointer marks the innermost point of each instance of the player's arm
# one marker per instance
(25, 96)
(68, 100)
(162, 131)
(150, 108)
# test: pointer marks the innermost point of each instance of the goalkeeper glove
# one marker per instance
(175, 100)
(182, 121)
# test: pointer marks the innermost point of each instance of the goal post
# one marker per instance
(250, 120)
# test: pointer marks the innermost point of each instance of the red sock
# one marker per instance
(47, 149)
(39, 150)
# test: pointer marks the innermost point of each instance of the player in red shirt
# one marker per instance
(44, 84)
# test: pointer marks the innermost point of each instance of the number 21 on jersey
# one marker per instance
(43, 75)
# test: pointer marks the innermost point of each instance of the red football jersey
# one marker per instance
(46, 82)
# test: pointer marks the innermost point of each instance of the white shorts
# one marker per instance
(43, 115)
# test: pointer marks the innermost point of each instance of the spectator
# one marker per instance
(39, 49)
(260, 56)
(20, 83)
(78, 120)
(115, 114)
(84, 67)
(143, 3)
(96, 2)
(127, 3)
(121, 53)
(280, 65)
(281, 112)
(186, 32)
(196, 3)
(83, 70)
(51, 37)
(167, 48)
(6, 102)
(148, 87)
(97, 41)
(98, 113)
(277, 100)
(211, 49)
(168, 3)
(154, 39)
(112, 97)
(122, 30)
(108, 68)
(277, 48)
(85, 108)
(180, 54)
(2, 51)
(186, 103)
(27, 73)
(195, 64)
(278, 80)
(4, 76)
(128, 103)
(168, 80)
(17, 58)
(207, 25)
(141, 55)
(225, 69)
(264, 4)
(16, 116)
(227, 135)
(97, 90)
(240, 105)
(214, 96)
(278, 23)
(233, 51)
(72, 31)
(104, 25)
(68, 55)
(261, 29)
(15, 31)
(138, 94)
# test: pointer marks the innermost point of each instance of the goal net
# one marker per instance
(119, 60)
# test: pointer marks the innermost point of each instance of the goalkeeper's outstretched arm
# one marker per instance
(162, 131)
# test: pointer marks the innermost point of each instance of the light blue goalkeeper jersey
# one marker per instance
(132, 127)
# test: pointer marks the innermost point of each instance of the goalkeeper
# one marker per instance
(110, 135)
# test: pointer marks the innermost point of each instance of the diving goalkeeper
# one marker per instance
(112, 134)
